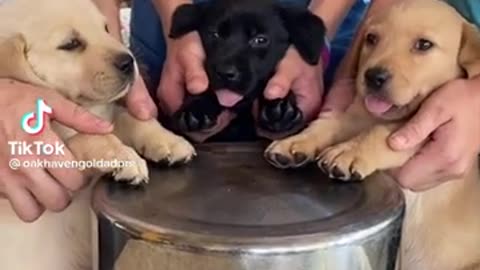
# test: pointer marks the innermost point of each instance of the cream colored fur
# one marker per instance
(30, 33)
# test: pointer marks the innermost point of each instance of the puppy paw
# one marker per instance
(280, 115)
(171, 149)
(198, 113)
(345, 161)
(131, 168)
(293, 152)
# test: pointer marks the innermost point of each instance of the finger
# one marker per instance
(196, 79)
(77, 117)
(46, 190)
(69, 177)
(430, 116)
(281, 83)
(22, 201)
(171, 90)
(308, 92)
(139, 101)
(422, 169)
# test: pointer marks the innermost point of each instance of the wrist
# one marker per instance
(326, 53)
(165, 10)
(332, 13)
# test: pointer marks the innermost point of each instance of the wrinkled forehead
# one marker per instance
(423, 19)
(43, 18)
(245, 17)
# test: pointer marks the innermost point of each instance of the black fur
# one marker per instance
(244, 40)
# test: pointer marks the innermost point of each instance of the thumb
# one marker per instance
(77, 117)
(139, 101)
(425, 121)
(280, 84)
(196, 79)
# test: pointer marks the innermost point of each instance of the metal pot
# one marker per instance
(230, 210)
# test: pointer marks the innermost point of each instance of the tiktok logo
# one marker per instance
(38, 117)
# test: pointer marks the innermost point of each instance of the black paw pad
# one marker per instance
(280, 115)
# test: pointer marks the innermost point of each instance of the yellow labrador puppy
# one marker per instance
(406, 53)
(63, 45)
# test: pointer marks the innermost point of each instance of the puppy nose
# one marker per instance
(124, 63)
(230, 73)
(377, 77)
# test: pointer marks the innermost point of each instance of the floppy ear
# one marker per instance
(185, 19)
(13, 62)
(469, 55)
(306, 31)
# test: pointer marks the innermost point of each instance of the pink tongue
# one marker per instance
(228, 98)
(377, 105)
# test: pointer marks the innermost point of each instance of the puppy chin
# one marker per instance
(123, 92)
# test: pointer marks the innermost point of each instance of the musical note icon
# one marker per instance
(38, 116)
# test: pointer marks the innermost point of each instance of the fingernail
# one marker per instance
(273, 91)
(197, 85)
(399, 141)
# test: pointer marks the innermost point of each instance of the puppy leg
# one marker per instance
(362, 155)
(150, 139)
(300, 149)
(106, 149)
(199, 112)
(280, 115)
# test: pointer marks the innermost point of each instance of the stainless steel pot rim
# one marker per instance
(160, 215)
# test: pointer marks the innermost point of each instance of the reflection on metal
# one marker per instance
(229, 210)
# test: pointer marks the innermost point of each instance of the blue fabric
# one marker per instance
(148, 43)
(470, 9)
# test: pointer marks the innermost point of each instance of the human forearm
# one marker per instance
(331, 12)
(111, 10)
(165, 9)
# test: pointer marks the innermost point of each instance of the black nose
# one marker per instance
(377, 77)
(229, 73)
(124, 63)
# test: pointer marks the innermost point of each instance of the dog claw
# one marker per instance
(337, 173)
(282, 160)
(355, 176)
(299, 158)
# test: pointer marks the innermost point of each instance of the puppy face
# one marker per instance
(65, 45)
(407, 53)
(245, 40)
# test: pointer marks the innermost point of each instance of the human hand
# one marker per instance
(449, 118)
(339, 97)
(304, 80)
(139, 102)
(32, 190)
(183, 73)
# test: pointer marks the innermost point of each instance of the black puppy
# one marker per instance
(244, 40)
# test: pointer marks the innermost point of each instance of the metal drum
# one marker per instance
(230, 210)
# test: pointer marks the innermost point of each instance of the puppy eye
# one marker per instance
(371, 39)
(71, 45)
(214, 34)
(423, 45)
(259, 41)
